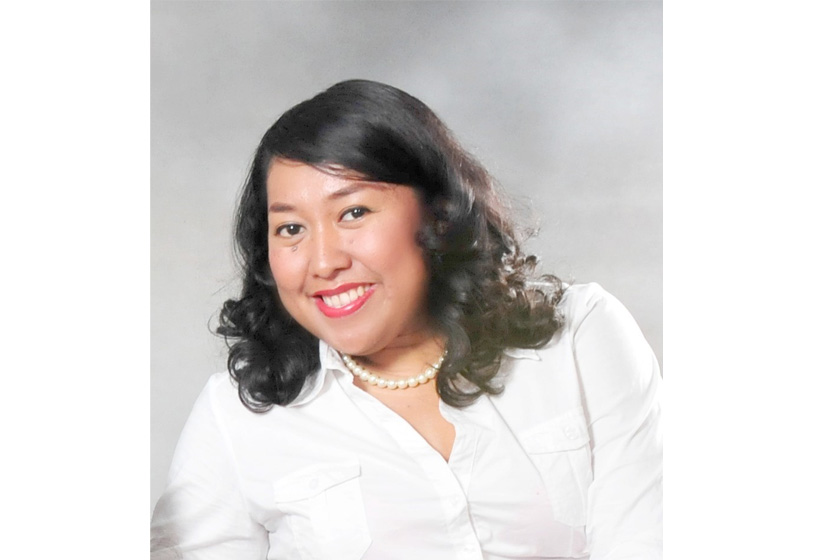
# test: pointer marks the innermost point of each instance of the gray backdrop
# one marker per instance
(562, 101)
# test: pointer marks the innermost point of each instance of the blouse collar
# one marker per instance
(331, 361)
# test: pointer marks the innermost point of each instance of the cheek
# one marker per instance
(397, 256)
(285, 269)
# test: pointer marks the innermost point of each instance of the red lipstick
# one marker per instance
(339, 289)
(350, 308)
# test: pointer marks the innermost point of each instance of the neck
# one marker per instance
(405, 358)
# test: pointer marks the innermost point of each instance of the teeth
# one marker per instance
(345, 298)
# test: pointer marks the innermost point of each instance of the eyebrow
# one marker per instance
(340, 193)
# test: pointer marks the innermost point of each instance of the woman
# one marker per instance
(400, 385)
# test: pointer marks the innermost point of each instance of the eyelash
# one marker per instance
(285, 228)
(291, 230)
(355, 209)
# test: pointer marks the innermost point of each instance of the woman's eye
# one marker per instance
(289, 230)
(354, 213)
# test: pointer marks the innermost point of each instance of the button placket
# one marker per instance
(446, 478)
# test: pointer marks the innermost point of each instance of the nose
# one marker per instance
(328, 253)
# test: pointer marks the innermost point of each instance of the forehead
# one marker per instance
(291, 176)
(292, 183)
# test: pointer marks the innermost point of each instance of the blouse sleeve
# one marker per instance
(620, 378)
(202, 514)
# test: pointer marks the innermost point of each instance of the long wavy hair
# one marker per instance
(483, 293)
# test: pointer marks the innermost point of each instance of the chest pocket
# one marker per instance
(324, 507)
(559, 449)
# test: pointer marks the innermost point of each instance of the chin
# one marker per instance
(351, 346)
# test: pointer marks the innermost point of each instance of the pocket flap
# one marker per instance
(313, 480)
(562, 433)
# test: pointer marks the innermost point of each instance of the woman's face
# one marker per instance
(345, 257)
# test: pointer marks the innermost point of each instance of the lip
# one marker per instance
(340, 289)
(350, 308)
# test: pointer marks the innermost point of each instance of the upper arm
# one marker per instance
(620, 380)
(202, 513)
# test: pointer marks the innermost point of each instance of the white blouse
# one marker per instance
(565, 463)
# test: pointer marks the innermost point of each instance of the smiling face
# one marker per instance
(345, 258)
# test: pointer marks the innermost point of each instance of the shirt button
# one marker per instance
(313, 484)
(571, 432)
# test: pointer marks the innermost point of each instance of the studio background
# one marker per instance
(561, 101)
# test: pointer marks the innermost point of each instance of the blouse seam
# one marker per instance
(590, 303)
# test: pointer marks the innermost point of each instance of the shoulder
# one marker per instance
(217, 416)
(580, 300)
(599, 343)
(551, 370)
(220, 390)
(581, 305)
(217, 402)
(544, 384)
(589, 311)
(613, 360)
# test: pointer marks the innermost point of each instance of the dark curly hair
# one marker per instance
(483, 294)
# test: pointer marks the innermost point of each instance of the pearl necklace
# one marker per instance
(374, 379)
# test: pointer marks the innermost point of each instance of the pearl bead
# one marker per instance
(365, 375)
